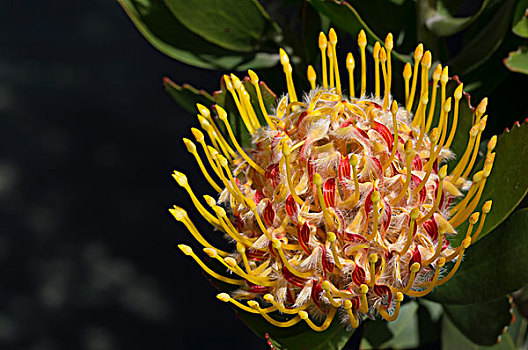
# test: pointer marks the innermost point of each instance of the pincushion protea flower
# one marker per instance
(344, 205)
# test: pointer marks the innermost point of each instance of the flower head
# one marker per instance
(344, 204)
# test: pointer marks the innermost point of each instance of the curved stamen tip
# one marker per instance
(415, 213)
(325, 285)
(203, 110)
(408, 146)
(224, 297)
(373, 258)
(481, 108)
(353, 160)
(198, 134)
(389, 42)
(415, 267)
(362, 39)
(347, 304)
(363, 289)
(407, 71)
(418, 53)
(211, 252)
(230, 261)
(303, 315)
(445, 75)
(442, 173)
(185, 249)
(426, 61)
(458, 91)
(437, 72)
(180, 178)
(375, 197)
(322, 40)
(191, 147)
(284, 59)
(253, 76)
(269, 298)
(474, 218)
(466, 242)
(398, 297)
(219, 211)
(179, 213)
(492, 143)
(253, 304)
(222, 114)
(240, 248)
(209, 200)
(486, 208)
(376, 49)
(332, 36)
(350, 63)
(331, 237)
(317, 180)
(276, 243)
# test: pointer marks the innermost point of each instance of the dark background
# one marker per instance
(89, 139)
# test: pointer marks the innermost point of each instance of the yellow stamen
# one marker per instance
(485, 210)
(191, 147)
(394, 111)
(375, 197)
(442, 173)
(458, 95)
(362, 43)
(325, 286)
(232, 265)
(226, 298)
(465, 244)
(199, 136)
(383, 60)
(229, 228)
(481, 109)
(479, 176)
(324, 326)
(285, 61)
(354, 162)
(375, 54)
(278, 246)
(444, 116)
(432, 284)
(465, 157)
(255, 81)
(310, 73)
(426, 64)
(436, 77)
(330, 65)
(413, 215)
(389, 44)
(181, 179)
(188, 251)
(363, 304)
(333, 41)
(285, 310)
(204, 111)
(223, 116)
(418, 53)
(415, 267)
(407, 73)
(347, 305)
(409, 156)
(331, 237)
(240, 107)
(433, 136)
(439, 245)
(217, 144)
(181, 215)
(472, 221)
(372, 259)
(475, 150)
(286, 151)
(274, 322)
(322, 46)
(398, 298)
(350, 65)
(421, 117)
(318, 181)
(444, 78)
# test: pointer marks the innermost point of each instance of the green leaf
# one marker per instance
(441, 22)
(346, 17)
(483, 322)
(156, 23)
(187, 96)
(486, 39)
(517, 61)
(452, 338)
(237, 25)
(299, 336)
(493, 267)
(507, 184)
(520, 19)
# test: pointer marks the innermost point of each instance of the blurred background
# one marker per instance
(89, 139)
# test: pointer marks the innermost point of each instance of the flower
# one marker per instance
(343, 205)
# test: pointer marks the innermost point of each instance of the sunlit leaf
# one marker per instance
(517, 61)
(187, 96)
(443, 23)
(520, 19)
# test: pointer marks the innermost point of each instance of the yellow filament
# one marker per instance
(350, 65)
(285, 61)
(255, 81)
(394, 316)
(286, 151)
(353, 162)
(191, 147)
(241, 249)
(318, 182)
(436, 78)
(188, 251)
(446, 108)
(441, 175)
(251, 204)
(475, 150)
(240, 107)
(389, 44)
(322, 46)
(199, 136)
(464, 214)
(426, 64)
(472, 221)
(418, 53)
(249, 107)
(413, 215)
(227, 299)
(372, 260)
(331, 237)
(465, 245)
(407, 73)
(439, 245)
(274, 322)
(229, 228)
(347, 305)
(415, 267)
(291, 311)
(363, 304)
(432, 284)
(375, 54)
(326, 288)
(330, 65)
(181, 179)
(409, 156)
(429, 165)
(444, 78)
(181, 215)
(217, 143)
(333, 41)
(458, 95)
(421, 118)
(231, 264)
(223, 116)
(394, 111)
(310, 73)
(207, 115)
(362, 43)
(465, 157)
(479, 176)
(485, 210)
(326, 323)
(278, 245)
(383, 59)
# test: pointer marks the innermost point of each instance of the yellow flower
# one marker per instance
(343, 205)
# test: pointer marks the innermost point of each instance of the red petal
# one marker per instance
(268, 214)
(328, 265)
(329, 192)
(431, 228)
(385, 134)
(381, 289)
(344, 169)
(417, 163)
(291, 278)
(303, 236)
(292, 209)
(358, 276)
